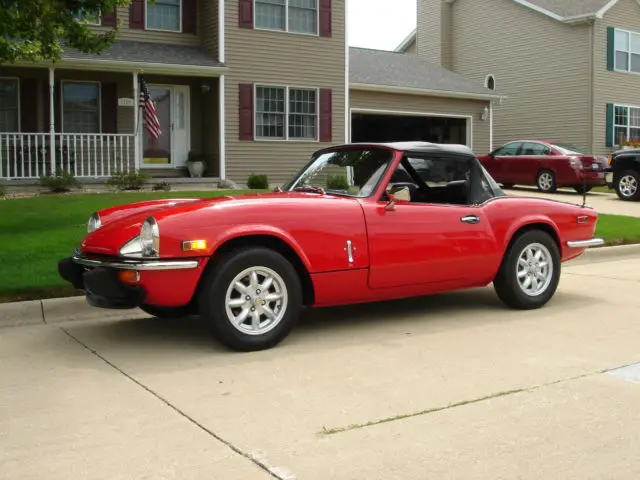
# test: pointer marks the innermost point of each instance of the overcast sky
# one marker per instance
(380, 24)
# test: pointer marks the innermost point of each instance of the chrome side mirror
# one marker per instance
(397, 194)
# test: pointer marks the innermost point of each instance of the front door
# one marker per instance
(171, 148)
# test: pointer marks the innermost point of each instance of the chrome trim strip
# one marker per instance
(137, 264)
(593, 242)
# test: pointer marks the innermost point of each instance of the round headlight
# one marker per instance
(94, 222)
(150, 238)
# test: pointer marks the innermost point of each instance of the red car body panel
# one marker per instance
(416, 249)
(523, 169)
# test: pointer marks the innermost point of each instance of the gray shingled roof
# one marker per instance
(570, 8)
(148, 52)
(380, 67)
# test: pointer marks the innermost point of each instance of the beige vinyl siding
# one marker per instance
(411, 48)
(541, 64)
(429, 105)
(428, 31)
(287, 59)
(446, 35)
(208, 26)
(610, 86)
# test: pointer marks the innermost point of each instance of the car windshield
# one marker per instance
(353, 172)
(567, 149)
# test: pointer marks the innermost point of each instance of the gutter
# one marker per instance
(367, 87)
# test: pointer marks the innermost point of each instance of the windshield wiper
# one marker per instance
(310, 188)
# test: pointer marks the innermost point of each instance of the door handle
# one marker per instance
(473, 219)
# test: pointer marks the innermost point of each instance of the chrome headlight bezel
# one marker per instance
(94, 223)
(150, 238)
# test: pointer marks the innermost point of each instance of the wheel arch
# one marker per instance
(534, 224)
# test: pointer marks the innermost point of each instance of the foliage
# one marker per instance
(40, 29)
(337, 182)
(62, 181)
(194, 156)
(258, 182)
(166, 186)
(132, 180)
(3, 191)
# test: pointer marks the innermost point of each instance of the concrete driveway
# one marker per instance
(602, 202)
(449, 386)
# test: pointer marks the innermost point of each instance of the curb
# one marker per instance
(59, 310)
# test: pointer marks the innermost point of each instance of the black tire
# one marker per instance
(623, 193)
(545, 188)
(506, 283)
(581, 190)
(507, 185)
(213, 291)
(167, 312)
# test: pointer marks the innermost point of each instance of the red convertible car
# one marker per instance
(548, 166)
(359, 223)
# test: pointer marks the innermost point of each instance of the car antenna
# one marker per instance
(584, 186)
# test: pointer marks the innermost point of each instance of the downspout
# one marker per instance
(592, 93)
(491, 125)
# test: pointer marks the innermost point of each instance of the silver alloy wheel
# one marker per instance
(545, 181)
(628, 186)
(256, 300)
(534, 269)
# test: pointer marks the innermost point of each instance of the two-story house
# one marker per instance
(569, 68)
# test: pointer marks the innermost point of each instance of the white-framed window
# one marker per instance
(81, 112)
(626, 121)
(295, 16)
(627, 51)
(164, 15)
(9, 105)
(490, 82)
(90, 18)
(286, 113)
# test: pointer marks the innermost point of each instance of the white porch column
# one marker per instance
(136, 121)
(52, 116)
(221, 129)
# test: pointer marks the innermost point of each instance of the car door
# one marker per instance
(503, 160)
(420, 243)
(528, 162)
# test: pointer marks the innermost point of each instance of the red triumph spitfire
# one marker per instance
(359, 223)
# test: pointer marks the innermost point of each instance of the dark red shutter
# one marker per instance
(29, 105)
(109, 19)
(46, 111)
(326, 115)
(246, 111)
(190, 16)
(136, 14)
(110, 107)
(325, 18)
(245, 15)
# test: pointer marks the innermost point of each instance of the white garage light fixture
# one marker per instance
(485, 114)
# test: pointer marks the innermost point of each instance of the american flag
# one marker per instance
(151, 118)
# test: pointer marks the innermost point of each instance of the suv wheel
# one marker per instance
(627, 185)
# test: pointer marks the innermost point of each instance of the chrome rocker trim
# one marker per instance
(593, 242)
(137, 264)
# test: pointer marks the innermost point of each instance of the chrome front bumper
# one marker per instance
(592, 242)
(134, 264)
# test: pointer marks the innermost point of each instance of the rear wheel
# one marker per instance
(530, 271)
(627, 185)
(251, 298)
(546, 181)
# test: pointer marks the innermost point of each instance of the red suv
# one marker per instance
(546, 165)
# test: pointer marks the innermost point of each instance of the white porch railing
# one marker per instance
(27, 155)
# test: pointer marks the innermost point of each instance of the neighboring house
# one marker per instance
(569, 68)
(254, 85)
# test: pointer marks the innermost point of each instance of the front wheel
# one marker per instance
(530, 271)
(251, 298)
(628, 185)
(546, 181)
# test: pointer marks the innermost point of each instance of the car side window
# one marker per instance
(534, 148)
(510, 149)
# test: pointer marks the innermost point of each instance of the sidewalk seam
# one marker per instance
(248, 456)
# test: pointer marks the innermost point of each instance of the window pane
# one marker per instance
(622, 59)
(622, 40)
(9, 105)
(270, 14)
(621, 116)
(164, 15)
(635, 62)
(302, 114)
(531, 148)
(80, 107)
(270, 112)
(634, 134)
(303, 16)
(635, 43)
(510, 149)
(620, 133)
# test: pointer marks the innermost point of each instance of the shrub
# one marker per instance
(3, 191)
(337, 182)
(62, 181)
(258, 182)
(166, 186)
(133, 180)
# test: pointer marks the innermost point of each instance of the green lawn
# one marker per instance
(36, 232)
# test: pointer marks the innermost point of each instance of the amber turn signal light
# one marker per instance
(129, 276)
(194, 245)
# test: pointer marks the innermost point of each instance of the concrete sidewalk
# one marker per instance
(447, 386)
